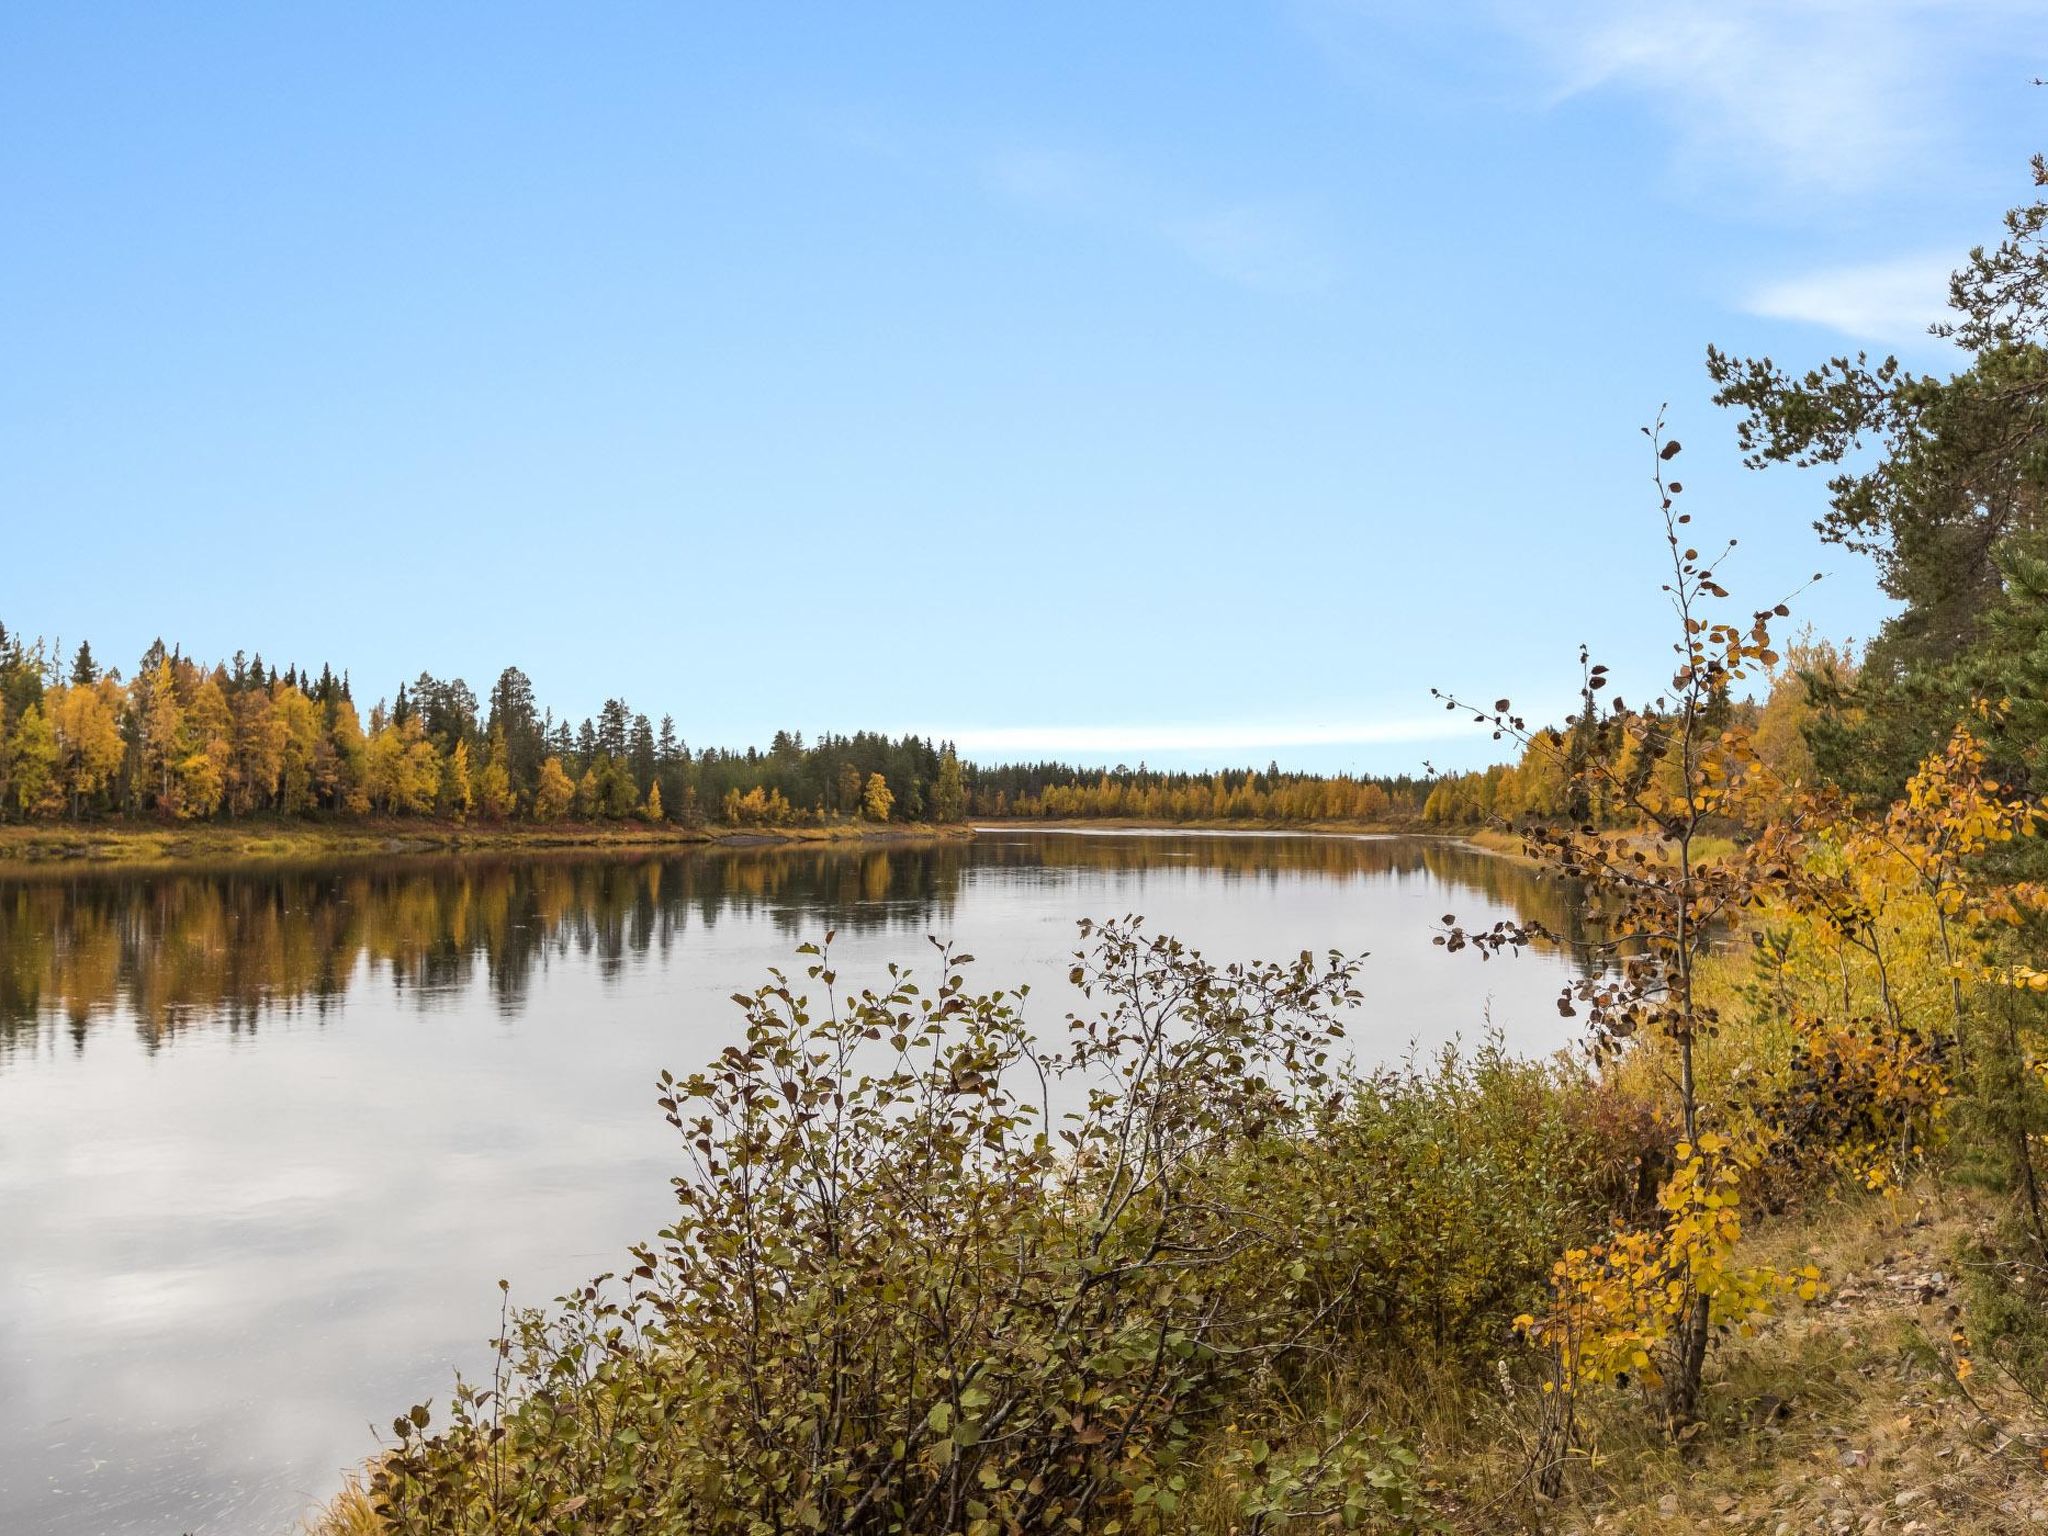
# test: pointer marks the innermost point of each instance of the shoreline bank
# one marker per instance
(49, 848)
(1239, 824)
(33, 849)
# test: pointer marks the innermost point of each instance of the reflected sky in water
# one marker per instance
(268, 1139)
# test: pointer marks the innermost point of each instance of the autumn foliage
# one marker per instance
(182, 742)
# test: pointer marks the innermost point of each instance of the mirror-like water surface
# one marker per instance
(268, 1139)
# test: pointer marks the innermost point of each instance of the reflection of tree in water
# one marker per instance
(228, 949)
(1501, 882)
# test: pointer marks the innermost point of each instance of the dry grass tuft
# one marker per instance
(348, 1513)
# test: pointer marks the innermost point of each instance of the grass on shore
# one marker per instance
(284, 839)
(1843, 1415)
(280, 839)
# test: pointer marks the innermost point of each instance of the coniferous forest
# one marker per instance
(180, 741)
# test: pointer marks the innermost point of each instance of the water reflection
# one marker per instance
(269, 1138)
(225, 950)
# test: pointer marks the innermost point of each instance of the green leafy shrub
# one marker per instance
(899, 1297)
(1429, 1202)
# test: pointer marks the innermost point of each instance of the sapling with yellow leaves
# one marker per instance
(1894, 903)
(1679, 769)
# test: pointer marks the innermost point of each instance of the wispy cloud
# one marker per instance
(1268, 246)
(1888, 301)
(1776, 98)
(1810, 95)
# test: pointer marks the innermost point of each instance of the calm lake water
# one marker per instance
(269, 1139)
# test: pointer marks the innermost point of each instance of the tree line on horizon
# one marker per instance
(182, 741)
(1066, 792)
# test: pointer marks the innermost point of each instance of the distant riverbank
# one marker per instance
(286, 840)
(1383, 828)
(1487, 839)
(263, 841)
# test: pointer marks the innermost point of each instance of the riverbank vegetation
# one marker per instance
(190, 744)
(37, 846)
(1767, 1254)
(187, 743)
(1063, 792)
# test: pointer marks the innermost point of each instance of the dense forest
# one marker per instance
(1060, 791)
(183, 741)
(189, 742)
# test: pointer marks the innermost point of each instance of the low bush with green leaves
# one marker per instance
(1427, 1198)
(895, 1297)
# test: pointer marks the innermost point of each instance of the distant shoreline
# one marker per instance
(1489, 840)
(1236, 824)
(47, 847)
(33, 848)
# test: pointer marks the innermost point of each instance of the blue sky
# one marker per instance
(1191, 382)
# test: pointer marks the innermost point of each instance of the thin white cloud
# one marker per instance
(1784, 98)
(1888, 301)
(1810, 93)
(1225, 737)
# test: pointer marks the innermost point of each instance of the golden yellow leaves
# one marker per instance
(1961, 1363)
(1618, 1305)
(1954, 809)
(2023, 977)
